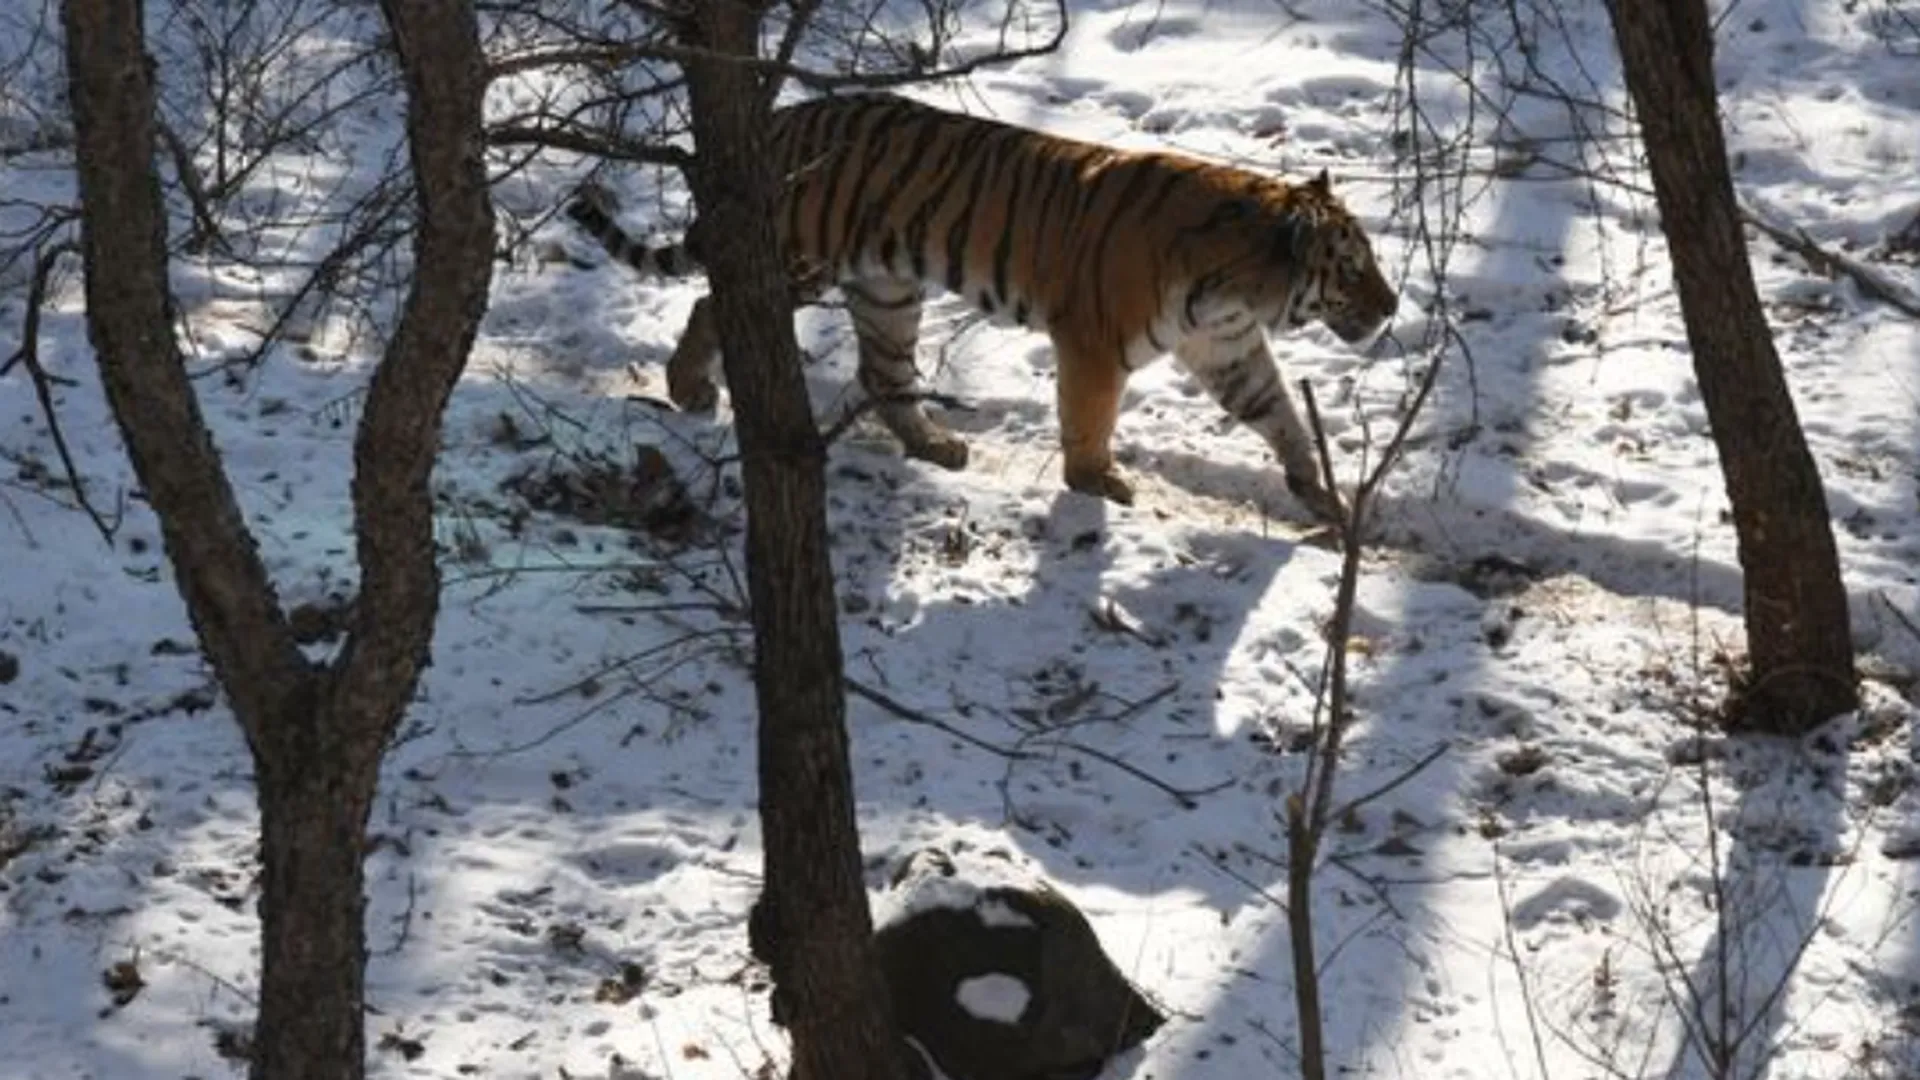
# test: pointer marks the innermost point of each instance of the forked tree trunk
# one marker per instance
(1798, 641)
(814, 907)
(317, 734)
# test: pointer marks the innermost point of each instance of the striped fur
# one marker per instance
(1119, 256)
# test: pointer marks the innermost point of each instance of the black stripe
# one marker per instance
(1199, 291)
(801, 132)
(930, 127)
(1143, 172)
(986, 166)
(922, 218)
(880, 136)
(1060, 174)
(1173, 178)
(1015, 201)
(830, 155)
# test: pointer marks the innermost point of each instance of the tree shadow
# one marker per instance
(1764, 891)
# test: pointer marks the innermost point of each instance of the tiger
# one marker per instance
(1119, 256)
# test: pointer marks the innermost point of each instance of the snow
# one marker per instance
(924, 884)
(999, 914)
(997, 997)
(566, 841)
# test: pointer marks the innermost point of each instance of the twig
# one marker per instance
(1903, 618)
(800, 15)
(865, 405)
(1418, 767)
(826, 81)
(1374, 885)
(592, 678)
(1186, 797)
(1527, 994)
(602, 144)
(28, 355)
(1832, 263)
(1219, 862)
(724, 610)
(1135, 708)
(405, 918)
(206, 228)
(913, 715)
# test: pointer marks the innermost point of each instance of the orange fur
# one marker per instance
(1118, 255)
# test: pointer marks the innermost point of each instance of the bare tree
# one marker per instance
(813, 916)
(1799, 646)
(316, 731)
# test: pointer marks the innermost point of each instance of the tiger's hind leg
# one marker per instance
(690, 371)
(886, 319)
(1239, 373)
(694, 368)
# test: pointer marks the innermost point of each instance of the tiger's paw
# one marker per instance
(1105, 482)
(1324, 504)
(693, 395)
(944, 449)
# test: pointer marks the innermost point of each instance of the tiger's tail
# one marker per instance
(593, 208)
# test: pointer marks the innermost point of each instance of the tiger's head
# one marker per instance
(1339, 282)
(1310, 260)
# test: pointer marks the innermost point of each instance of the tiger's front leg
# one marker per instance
(1091, 381)
(691, 368)
(886, 319)
(1239, 372)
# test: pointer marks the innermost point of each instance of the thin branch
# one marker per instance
(597, 55)
(585, 141)
(1186, 797)
(1418, 767)
(206, 228)
(28, 355)
(800, 18)
(780, 66)
(1904, 619)
(913, 715)
(847, 419)
(1832, 263)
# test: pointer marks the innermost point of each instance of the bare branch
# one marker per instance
(1833, 263)
(206, 229)
(799, 20)
(581, 140)
(601, 55)
(28, 355)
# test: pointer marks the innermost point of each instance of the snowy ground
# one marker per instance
(567, 835)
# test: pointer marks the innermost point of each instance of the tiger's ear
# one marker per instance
(1321, 183)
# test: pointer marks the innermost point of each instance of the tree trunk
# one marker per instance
(313, 821)
(317, 734)
(813, 912)
(1798, 640)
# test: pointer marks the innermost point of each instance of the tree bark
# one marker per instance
(1798, 641)
(313, 823)
(813, 913)
(316, 733)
